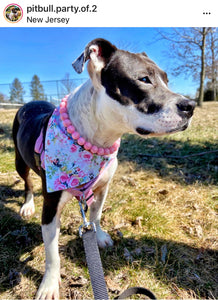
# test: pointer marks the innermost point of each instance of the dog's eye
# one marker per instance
(145, 79)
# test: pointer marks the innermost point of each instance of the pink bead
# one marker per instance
(75, 135)
(63, 110)
(116, 146)
(63, 104)
(81, 141)
(106, 151)
(94, 149)
(87, 145)
(112, 149)
(100, 151)
(70, 129)
(64, 116)
(66, 122)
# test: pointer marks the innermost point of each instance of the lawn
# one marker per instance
(160, 211)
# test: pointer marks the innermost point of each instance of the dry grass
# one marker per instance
(161, 213)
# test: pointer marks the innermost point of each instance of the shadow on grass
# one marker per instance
(17, 237)
(172, 263)
(184, 269)
(172, 159)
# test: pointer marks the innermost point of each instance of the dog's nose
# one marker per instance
(186, 107)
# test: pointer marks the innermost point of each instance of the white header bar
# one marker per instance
(113, 13)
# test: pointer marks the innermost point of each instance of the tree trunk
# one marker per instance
(214, 83)
(202, 75)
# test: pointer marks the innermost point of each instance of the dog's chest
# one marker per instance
(67, 164)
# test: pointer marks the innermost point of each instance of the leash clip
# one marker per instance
(85, 223)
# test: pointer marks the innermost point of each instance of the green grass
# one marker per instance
(161, 210)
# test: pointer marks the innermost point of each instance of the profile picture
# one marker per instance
(13, 13)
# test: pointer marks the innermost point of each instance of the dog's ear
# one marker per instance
(79, 63)
(98, 51)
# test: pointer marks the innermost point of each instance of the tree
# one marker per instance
(212, 62)
(16, 91)
(36, 89)
(68, 84)
(209, 93)
(3, 98)
(189, 47)
(202, 45)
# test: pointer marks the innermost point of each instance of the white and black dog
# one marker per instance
(13, 14)
(126, 92)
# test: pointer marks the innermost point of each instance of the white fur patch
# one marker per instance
(96, 59)
(49, 287)
(28, 208)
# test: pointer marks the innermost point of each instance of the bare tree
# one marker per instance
(3, 98)
(212, 61)
(188, 46)
(67, 84)
(202, 45)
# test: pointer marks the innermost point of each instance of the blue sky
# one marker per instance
(49, 52)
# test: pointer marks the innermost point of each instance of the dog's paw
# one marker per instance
(103, 239)
(49, 289)
(28, 209)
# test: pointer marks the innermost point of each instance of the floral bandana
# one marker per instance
(67, 164)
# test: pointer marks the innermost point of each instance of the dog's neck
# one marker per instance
(93, 116)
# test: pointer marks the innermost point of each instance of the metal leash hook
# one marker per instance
(85, 223)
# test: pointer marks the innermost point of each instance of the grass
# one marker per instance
(160, 211)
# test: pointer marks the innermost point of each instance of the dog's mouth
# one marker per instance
(181, 128)
(144, 132)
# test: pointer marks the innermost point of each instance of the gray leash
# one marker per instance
(93, 257)
(95, 266)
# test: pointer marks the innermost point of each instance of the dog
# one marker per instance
(13, 15)
(126, 93)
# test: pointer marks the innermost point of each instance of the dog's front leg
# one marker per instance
(100, 194)
(49, 287)
(103, 238)
(53, 204)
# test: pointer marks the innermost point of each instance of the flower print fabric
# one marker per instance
(67, 164)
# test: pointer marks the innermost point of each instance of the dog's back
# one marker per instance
(27, 125)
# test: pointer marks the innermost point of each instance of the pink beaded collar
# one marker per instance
(80, 140)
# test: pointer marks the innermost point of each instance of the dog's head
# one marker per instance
(137, 87)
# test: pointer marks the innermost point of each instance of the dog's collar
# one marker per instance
(80, 140)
